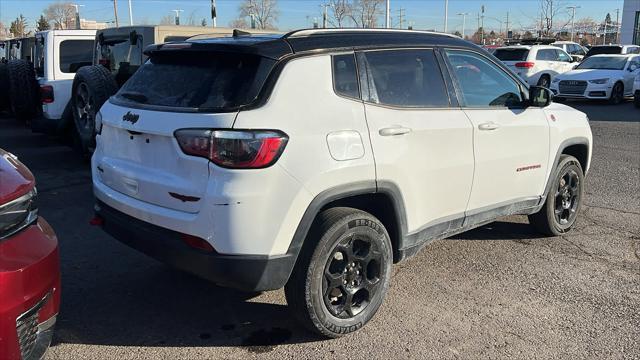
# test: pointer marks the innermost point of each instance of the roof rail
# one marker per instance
(308, 32)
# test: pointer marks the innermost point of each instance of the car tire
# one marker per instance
(342, 273)
(4, 87)
(636, 99)
(562, 205)
(617, 94)
(544, 81)
(92, 87)
(25, 94)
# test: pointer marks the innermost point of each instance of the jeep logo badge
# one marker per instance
(131, 117)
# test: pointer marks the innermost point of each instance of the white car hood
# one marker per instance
(590, 74)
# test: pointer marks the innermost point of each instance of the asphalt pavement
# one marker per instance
(495, 292)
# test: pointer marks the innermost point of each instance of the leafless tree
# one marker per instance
(192, 20)
(168, 20)
(549, 11)
(239, 23)
(339, 12)
(61, 14)
(264, 12)
(365, 13)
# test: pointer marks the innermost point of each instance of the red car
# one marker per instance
(29, 266)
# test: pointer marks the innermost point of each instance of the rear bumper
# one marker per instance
(30, 288)
(243, 272)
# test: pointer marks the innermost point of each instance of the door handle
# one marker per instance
(488, 126)
(393, 131)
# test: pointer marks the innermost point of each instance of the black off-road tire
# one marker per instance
(5, 102)
(617, 94)
(25, 93)
(92, 87)
(549, 220)
(360, 273)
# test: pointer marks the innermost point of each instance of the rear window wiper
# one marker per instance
(135, 96)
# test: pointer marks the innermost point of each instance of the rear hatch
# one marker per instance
(513, 56)
(139, 155)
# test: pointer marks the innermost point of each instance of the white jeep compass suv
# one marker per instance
(316, 159)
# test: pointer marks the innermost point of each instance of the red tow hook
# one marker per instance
(97, 220)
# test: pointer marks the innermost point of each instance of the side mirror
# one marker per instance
(540, 96)
(133, 38)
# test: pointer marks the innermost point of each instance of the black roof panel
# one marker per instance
(279, 46)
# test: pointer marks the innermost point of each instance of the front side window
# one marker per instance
(481, 83)
(75, 54)
(406, 78)
(562, 56)
(345, 76)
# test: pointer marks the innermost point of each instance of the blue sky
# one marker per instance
(425, 14)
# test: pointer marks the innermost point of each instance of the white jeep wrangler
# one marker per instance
(59, 54)
(316, 159)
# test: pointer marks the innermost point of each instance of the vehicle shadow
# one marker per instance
(155, 305)
(501, 230)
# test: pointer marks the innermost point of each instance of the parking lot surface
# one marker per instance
(498, 291)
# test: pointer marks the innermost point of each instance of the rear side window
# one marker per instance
(345, 76)
(190, 81)
(74, 54)
(547, 55)
(562, 56)
(511, 54)
(406, 78)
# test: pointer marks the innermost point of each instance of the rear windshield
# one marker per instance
(121, 57)
(511, 54)
(207, 82)
(604, 50)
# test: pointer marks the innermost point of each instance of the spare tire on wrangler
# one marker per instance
(4, 87)
(25, 95)
(92, 87)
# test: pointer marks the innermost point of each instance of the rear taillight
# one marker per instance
(234, 149)
(525, 64)
(46, 94)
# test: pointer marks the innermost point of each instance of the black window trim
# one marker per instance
(524, 88)
(362, 62)
(333, 76)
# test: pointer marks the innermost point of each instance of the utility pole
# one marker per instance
(324, 15)
(130, 14)
(115, 11)
(507, 26)
(401, 11)
(387, 18)
(617, 26)
(214, 13)
(178, 11)
(573, 18)
(464, 21)
(446, 14)
(482, 25)
(77, 7)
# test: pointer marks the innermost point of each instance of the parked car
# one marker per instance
(29, 266)
(576, 50)
(535, 64)
(43, 89)
(259, 162)
(613, 49)
(21, 48)
(636, 91)
(599, 77)
(117, 56)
